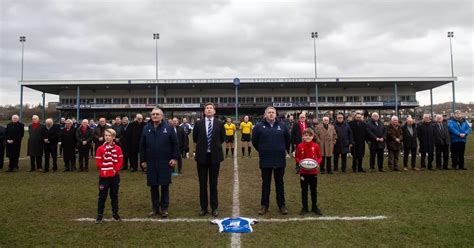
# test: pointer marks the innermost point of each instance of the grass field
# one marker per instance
(423, 209)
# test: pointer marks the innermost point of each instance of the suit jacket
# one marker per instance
(200, 139)
(409, 140)
(442, 136)
(181, 137)
(375, 131)
(392, 134)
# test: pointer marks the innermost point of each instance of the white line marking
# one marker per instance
(326, 218)
(147, 220)
(235, 237)
(322, 218)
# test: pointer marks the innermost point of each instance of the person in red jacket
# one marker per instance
(109, 159)
(308, 177)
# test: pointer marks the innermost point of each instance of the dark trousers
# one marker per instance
(158, 202)
(205, 171)
(442, 156)
(278, 174)
(84, 158)
(70, 163)
(126, 160)
(393, 156)
(343, 161)
(106, 185)
(51, 150)
(457, 154)
(312, 182)
(134, 160)
(326, 165)
(430, 159)
(406, 155)
(357, 163)
(379, 154)
(2, 154)
(13, 163)
(35, 162)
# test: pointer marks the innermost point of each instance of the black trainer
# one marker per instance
(98, 220)
(116, 217)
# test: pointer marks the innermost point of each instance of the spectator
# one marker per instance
(181, 139)
(296, 136)
(3, 131)
(326, 136)
(343, 144)
(35, 144)
(459, 130)
(67, 137)
(98, 137)
(409, 144)
(442, 141)
(14, 134)
(187, 131)
(118, 128)
(84, 142)
(394, 143)
(359, 132)
(134, 133)
(426, 136)
(376, 140)
(50, 134)
(124, 144)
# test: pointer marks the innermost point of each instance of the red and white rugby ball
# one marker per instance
(309, 164)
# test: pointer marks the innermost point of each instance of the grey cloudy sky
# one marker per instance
(91, 39)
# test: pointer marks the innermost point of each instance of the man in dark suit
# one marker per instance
(442, 141)
(50, 135)
(409, 144)
(377, 137)
(359, 131)
(13, 137)
(134, 133)
(208, 136)
(181, 142)
(426, 133)
(3, 131)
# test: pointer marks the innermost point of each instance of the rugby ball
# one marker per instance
(309, 164)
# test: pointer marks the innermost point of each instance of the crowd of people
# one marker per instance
(431, 140)
(157, 146)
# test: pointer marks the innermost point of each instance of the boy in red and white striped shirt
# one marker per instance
(109, 159)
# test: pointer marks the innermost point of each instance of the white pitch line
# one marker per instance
(235, 237)
(327, 218)
(322, 218)
(147, 220)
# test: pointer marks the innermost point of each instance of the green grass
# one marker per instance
(423, 208)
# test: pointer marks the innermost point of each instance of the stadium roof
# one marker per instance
(419, 83)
